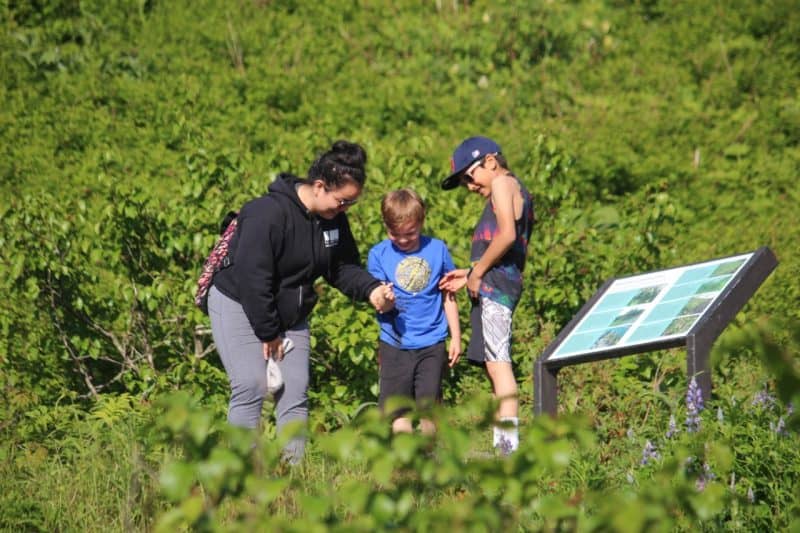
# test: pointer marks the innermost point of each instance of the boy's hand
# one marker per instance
(473, 284)
(382, 297)
(454, 352)
(453, 280)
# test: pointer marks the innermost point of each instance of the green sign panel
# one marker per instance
(649, 307)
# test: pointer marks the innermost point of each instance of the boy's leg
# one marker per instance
(428, 380)
(504, 384)
(496, 330)
(396, 374)
(427, 427)
(402, 425)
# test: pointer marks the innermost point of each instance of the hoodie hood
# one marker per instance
(285, 189)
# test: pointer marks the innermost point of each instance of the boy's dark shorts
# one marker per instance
(411, 373)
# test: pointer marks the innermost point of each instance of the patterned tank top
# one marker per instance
(503, 282)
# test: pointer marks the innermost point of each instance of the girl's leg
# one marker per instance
(291, 406)
(242, 357)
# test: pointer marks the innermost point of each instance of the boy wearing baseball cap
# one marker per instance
(494, 280)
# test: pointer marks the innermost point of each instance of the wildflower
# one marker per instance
(705, 476)
(673, 427)
(750, 496)
(504, 446)
(629, 477)
(733, 481)
(707, 472)
(779, 428)
(763, 399)
(630, 433)
(694, 404)
(720, 416)
(649, 452)
(790, 409)
(700, 484)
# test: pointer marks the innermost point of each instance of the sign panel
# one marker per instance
(648, 308)
(689, 305)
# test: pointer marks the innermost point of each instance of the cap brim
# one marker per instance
(452, 181)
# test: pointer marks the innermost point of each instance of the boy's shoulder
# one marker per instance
(380, 245)
(427, 240)
(508, 181)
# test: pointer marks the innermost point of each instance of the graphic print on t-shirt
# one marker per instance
(413, 274)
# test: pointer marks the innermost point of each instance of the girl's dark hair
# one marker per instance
(343, 163)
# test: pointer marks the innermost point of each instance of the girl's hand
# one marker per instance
(453, 280)
(382, 298)
(273, 348)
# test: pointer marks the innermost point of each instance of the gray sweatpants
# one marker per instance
(243, 359)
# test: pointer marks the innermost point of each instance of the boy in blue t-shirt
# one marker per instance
(411, 350)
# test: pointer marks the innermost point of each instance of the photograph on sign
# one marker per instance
(650, 307)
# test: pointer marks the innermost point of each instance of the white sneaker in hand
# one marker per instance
(274, 376)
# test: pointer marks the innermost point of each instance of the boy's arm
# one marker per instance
(503, 190)
(451, 313)
(454, 280)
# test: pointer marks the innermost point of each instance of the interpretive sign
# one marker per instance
(656, 310)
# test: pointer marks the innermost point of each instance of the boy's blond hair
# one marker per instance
(401, 206)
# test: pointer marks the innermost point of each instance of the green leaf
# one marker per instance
(176, 479)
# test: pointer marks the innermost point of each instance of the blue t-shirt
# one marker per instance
(418, 319)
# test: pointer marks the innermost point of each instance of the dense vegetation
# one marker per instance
(651, 133)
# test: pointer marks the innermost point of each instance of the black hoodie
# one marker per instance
(279, 250)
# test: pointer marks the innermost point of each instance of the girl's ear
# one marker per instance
(317, 186)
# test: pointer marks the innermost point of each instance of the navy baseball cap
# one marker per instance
(467, 153)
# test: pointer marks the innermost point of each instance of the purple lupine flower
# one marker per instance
(672, 429)
(750, 496)
(763, 399)
(700, 484)
(708, 473)
(705, 476)
(779, 428)
(649, 452)
(694, 404)
(504, 446)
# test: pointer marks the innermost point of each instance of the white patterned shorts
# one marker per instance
(491, 333)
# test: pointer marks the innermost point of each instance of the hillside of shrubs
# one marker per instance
(651, 134)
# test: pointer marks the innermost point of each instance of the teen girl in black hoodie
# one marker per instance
(283, 243)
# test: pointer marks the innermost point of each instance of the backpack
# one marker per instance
(216, 260)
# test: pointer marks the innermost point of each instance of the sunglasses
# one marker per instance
(343, 202)
(466, 177)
